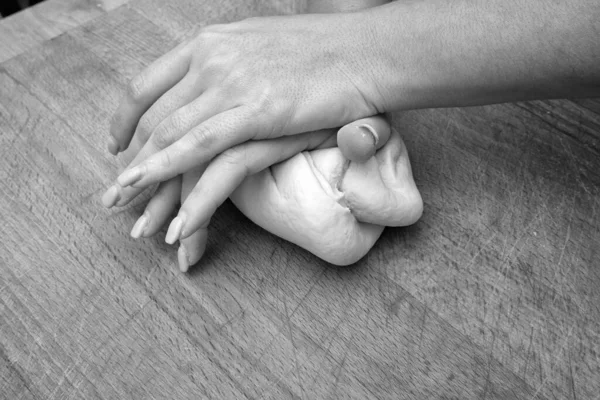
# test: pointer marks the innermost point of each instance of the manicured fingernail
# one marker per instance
(113, 146)
(140, 226)
(130, 176)
(368, 129)
(182, 258)
(111, 196)
(174, 231)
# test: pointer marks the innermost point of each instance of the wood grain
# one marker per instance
(46, 20)
(492, 295)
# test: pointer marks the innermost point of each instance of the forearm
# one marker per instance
(438, 53)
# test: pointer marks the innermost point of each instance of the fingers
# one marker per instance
(359, 140)
(192, 247)
(159, 209)
(225, 173)
(178, 124)
(171, 129)
(198, 146)
(184, 92)
(143, 91)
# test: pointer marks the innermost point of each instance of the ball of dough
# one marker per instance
(334, 208)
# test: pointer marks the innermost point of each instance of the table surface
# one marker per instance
(493, 294)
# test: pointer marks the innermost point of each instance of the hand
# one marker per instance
(256, 79)
(204, 189)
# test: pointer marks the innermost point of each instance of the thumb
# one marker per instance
(359, 140)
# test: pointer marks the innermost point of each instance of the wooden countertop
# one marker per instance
(494, 294)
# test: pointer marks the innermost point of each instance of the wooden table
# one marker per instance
(493, 294)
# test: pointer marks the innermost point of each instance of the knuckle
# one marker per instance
(144, 127)
(231, 156)
(177, 122)
(166, 160)
(237, 77)
(236, 157)
(265, 102)
(210, 67)
(169, 131)
(201, 33)
(219, 66)
(260, 104)
(136, 89)
(202, 138)
(272, 114)
(222, 54)
(162, 138)
(206, 35)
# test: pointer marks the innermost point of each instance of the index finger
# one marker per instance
(143, 90)
(196, 147)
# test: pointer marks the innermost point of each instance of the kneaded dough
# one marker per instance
(334, 208)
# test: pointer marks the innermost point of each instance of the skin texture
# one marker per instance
(222, 86)
(245, 98)
(166, 198)
(246, 81)
(453, 53)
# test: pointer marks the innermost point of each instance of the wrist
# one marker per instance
(402, 56)
(428, 54)
(441, 53)
(356, 38)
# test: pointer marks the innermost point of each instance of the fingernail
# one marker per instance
(130, 176)
(182, 258)
(111, 196)
(368, 129)
(174, 231)
(140, 225)
(113, 146)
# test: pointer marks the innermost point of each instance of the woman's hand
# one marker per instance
(204, 188)
(260, 78)
(138, 117)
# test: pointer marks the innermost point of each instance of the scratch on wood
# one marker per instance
(557, 359)
(327, 339)
(295, 353)
(340, 367)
